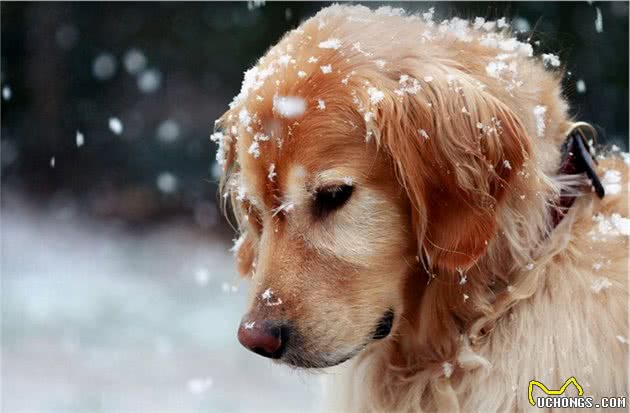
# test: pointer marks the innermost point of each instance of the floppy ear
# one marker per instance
(244, 247)
(245, 255)
(456, 149)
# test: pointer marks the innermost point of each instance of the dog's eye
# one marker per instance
(330, 199)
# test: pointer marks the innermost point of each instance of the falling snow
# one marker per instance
(539, 115)
(599, 21)
(6, 93)
(580, 86)
(166, 182)
(79, 139)
(115, 125)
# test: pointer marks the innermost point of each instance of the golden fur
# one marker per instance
(448, 224)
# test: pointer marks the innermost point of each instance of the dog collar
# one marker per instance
(577, 158)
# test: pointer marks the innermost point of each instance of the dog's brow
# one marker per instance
(336, 176)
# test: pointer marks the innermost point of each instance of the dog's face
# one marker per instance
(342, 174)
(329, 237)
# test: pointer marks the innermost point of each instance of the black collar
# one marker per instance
(577, 159)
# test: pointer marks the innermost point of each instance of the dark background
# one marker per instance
(199, 52)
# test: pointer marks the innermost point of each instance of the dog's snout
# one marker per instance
(266, 338)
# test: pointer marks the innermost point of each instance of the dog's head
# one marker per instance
(351, 162)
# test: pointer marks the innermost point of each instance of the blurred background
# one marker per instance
(118, 290)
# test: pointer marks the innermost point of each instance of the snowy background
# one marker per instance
(118, 293)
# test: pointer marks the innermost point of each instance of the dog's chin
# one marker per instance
(299, 359)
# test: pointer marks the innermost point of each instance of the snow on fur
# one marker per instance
(289, 106)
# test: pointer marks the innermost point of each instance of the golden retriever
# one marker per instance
(395, 181)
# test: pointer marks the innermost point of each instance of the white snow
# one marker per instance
(168, 131)
(550, 59)
(580, 86)
(301, 74)
(244, 118)
(284, 60)
(599, 22)
(249, 325)
(600, 284)
(612, 226)
(507, 164)
(120, 277)
(238, 243)
(408, 84)
(202, 276)
(376, 95)
(502, 23)
(134, 61)
(200, 385)
(326, 69)
(52, 162)
(347, 180)
(7, 93)
(529, 266)
(428, 78)
(220, 140)
(289, 106)
(254, 149)
(478, 23)
(612, 181)
(166, 182)
(115, 125)
(79, 139)
(321, 105)
(447, 369)
(271, 175)
(539, 115)
(312, 59)
(268, 297)
(521, 24)
(622, 339)
(149, 81)
(104, 66)
(423, 133)
(330, 44)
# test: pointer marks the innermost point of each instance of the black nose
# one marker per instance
(265, 338)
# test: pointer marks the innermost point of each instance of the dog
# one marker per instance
(418, 208)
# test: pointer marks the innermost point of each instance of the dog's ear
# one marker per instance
(225, 138)
(457, 150)
(245, 255)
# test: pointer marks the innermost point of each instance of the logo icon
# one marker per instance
(570, 380)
